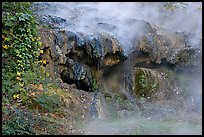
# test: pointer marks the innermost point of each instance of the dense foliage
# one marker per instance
(25, 83)
(20, 43)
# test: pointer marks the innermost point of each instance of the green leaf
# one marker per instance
(154, 85)
(29, 45)
(8, 24)
(17, 51)
(6, 111)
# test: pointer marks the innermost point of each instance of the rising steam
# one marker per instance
(117, 18)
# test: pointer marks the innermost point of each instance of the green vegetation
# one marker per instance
(29, 96)
(146, 89)
(175, 5)
(95, 85)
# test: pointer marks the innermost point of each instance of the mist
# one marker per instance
(167, 118)
(125, 21)
(117, 18)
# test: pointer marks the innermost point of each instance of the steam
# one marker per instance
(125, 21)
(118, 19)
(140, 126)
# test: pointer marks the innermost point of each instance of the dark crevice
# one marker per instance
(81, 85)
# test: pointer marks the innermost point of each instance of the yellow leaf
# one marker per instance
(21, 84)
(47, 74)
(18, 73)
(16, 96)
(5, 47)
(40, 43)
(41, 51)
(18, 78)
(44, 61)
(21, 89)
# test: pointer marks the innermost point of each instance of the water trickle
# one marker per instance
(92, 108)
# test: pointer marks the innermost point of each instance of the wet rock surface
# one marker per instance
(78, 74)
(94, 50)
(176, 48)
